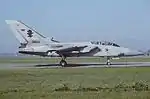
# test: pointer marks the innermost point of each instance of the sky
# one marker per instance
(125, 22)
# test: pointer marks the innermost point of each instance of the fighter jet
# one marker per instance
(34, 43)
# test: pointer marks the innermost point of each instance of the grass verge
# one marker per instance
(85, 83)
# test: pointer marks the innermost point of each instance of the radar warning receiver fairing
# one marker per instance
(34, 43)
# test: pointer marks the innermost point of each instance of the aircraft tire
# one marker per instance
(108, 63)
(63, 63)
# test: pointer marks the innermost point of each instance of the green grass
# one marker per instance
(40, 83)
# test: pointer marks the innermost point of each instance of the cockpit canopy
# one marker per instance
(104, 43)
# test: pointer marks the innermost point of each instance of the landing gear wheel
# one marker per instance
(63, 63)
(108, 62)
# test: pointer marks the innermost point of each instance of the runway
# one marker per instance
(77, 65)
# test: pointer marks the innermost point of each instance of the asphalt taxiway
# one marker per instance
(77, 65)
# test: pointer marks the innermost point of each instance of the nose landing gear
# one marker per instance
(108, 61)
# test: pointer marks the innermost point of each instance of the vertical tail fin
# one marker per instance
(24, 33)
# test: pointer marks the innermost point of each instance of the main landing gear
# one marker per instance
(108, 61)
(63, 62)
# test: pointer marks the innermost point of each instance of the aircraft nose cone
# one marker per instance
(134, 53)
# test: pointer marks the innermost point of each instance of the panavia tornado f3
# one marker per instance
(34, 43)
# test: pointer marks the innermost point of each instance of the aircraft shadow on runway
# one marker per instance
(86, 64)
